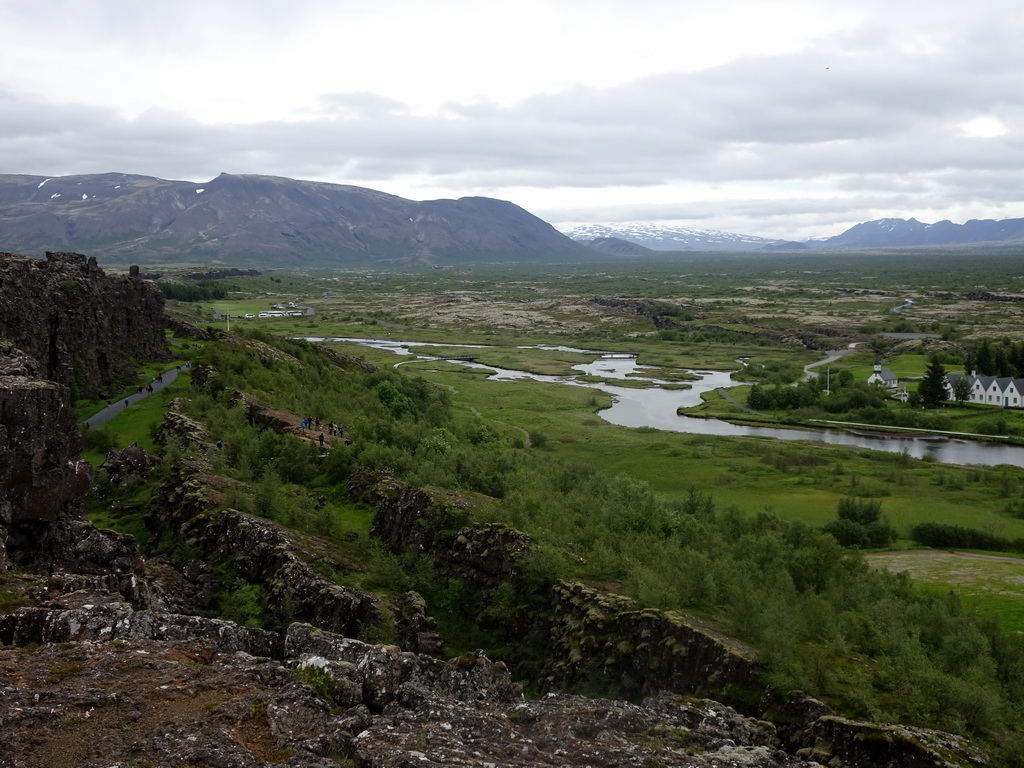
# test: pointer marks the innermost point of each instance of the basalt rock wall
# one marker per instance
(41, 478)
(82, 327)
(594, 638)
(635, 651)
(264, 553)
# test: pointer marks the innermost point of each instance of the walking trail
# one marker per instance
(119, 406)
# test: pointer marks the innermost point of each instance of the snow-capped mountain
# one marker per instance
(661, 237)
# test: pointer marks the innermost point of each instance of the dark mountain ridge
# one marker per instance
(269, 220)
(882, 233)
(616, 246)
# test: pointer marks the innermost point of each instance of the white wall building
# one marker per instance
(1001, 391)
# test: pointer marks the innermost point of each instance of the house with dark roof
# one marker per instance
(1001, 391)
(883, 377)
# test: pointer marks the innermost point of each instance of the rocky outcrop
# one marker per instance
(593, 635)
(389, 675)
(266, 418)
(407, 518)
(117, 621)
(330, 701)
(345, 361)
(82, 327)
(600, 641)
(661, 316)
(636, 651)
(185, 330)
(41, 477)
(131, 461)
(179, 429)
(264, 553)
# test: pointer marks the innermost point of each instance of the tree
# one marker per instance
(932, 388)
(860, 524)
(962, 390)
(985, 359)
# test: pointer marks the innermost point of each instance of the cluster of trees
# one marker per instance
(1005, 358)
(860, 524)
(945, 536)
(200, 290)
(844, 396)
(813, 607)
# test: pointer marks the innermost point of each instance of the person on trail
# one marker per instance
(125, 403)
(321, 439)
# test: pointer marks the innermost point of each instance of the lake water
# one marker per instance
(656, 407)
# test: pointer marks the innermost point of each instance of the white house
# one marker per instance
(884, 377)
(1001, 391)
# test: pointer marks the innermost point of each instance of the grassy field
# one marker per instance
(990, 585)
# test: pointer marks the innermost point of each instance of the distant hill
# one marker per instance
(785, 245)
(668, 238)
(263, 220)
(615, 246)
(888, 233)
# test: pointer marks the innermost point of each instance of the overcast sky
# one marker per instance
(780, 118)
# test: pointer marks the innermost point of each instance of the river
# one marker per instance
(656, 407)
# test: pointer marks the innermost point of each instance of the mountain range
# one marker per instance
(263, 220)
(888, 233)
(881, 233)
(254, 220)
(658, 237)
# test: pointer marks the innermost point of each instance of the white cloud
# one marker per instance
(984, 127)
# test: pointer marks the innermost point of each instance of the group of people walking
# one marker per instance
(333, 429)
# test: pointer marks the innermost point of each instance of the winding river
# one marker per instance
(656, 407)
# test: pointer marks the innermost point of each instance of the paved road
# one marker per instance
(832, 356)
(101, 418)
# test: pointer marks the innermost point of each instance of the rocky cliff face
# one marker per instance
(41, 477)
(82, 327)
(64, 327)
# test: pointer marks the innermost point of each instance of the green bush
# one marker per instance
(860, 524)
